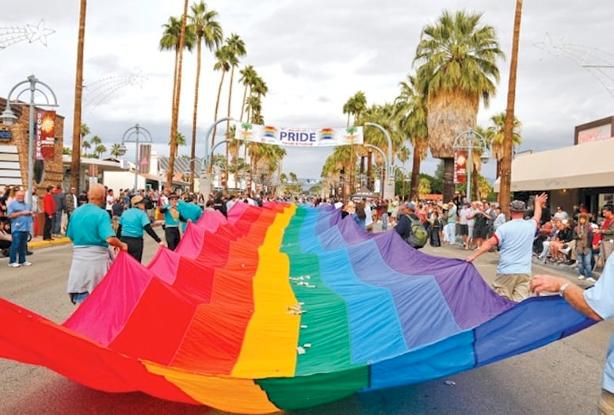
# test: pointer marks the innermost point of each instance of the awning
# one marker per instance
(581, 166)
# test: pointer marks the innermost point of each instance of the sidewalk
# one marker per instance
(38, 243)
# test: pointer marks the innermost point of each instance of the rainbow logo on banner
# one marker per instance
(326, 134)
(270, 132)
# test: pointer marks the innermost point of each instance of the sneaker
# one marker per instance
(14, 265)
(591, 280)
(26, 264)
(581, 277)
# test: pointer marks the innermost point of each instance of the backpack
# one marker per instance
(418, 237)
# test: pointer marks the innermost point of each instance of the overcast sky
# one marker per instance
(313, 56)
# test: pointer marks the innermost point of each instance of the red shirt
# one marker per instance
(604, 226)
(49, 204)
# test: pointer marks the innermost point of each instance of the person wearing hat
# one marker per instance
(171, 222)
(515, 241)
(132, 223)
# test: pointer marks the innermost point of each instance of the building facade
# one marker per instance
(14, 151)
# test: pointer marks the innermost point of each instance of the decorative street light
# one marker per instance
(388, 185)
(8, 117)
(135, 134)
(205, 179)
(471, 140)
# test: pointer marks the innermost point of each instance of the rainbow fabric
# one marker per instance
(280, 308)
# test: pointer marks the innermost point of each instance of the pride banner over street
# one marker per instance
(298, 137)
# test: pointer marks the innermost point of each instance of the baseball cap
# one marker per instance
(518, 206)
(410, 205)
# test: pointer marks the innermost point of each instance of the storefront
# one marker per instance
(582, 173)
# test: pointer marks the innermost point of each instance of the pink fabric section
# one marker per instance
(237, 211)
(164, 265)
(129, 280)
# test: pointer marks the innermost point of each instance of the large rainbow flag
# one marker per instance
(280, 308)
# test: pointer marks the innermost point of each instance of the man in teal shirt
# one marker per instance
(188, 211)
(91, 233)
(171, 222)
(132, 223)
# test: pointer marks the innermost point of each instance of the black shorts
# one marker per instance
(463, 230)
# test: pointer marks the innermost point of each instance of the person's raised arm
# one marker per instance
(540, 201)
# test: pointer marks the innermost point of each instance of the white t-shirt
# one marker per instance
(463, 216)
(368, 215)
(110, 200)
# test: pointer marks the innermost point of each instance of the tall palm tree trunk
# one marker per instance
(75, 164)
(415, 174)
(228, 138)
(243, 102)
(195, 116)
(175, 110)
(217, 106)
(505, 183)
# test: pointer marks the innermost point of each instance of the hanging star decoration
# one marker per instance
(10, 35)
(103, 90)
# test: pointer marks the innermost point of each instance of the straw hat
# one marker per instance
(136, 200)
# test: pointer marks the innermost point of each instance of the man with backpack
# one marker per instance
(409, 226)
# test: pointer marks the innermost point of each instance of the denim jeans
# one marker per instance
(18, 247)
(583, 260)
(57, 223)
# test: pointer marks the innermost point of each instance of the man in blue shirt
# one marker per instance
(596, 303)
(515, 241)
(20, 214)
(131, 225)
(91, 233)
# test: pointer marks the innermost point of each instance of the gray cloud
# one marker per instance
(313, 55)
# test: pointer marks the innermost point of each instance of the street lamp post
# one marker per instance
(471, 140)
(388, 186)
(135, 134)
(8, 117)
(205, 183)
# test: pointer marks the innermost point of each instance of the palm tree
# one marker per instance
(506, 165)
(496, 137)
(116, 150)
(224, 60)
(355, 105)
(206, 28)
(178, 40)
(84, 131)
(457, 59)
(85, 145)
(248, 77)
(237, 48)
(95, 140)
(411, 105)
(179, 142)
(99, 150)
(75, 164)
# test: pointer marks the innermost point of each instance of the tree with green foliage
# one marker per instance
(457, 62)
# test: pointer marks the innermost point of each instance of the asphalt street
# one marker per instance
(562, 378)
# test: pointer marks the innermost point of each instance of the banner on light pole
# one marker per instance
(460, 166)
(45, 135)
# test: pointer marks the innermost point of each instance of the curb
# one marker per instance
(47, 244)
